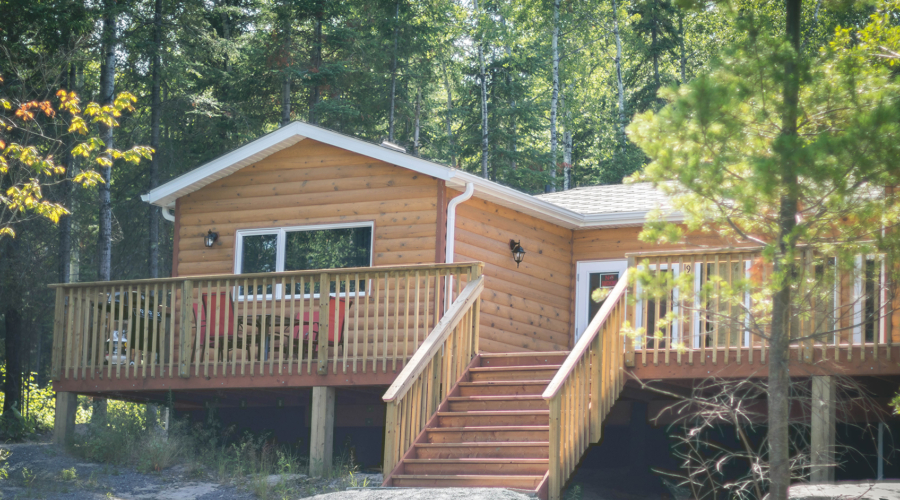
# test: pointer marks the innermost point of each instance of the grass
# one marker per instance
(209, 452)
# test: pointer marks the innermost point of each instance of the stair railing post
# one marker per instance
(555, 462)
(390, 433)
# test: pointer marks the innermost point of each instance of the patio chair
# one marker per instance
(222, 327)
(310, 323)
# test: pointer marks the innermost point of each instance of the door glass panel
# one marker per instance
(601, 285)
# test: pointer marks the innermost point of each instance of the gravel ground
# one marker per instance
(36, 471)
(424, 494)
(42, 470)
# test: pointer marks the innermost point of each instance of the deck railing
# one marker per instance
(416, 393)
(716, 316)
(357, 319)
(585, 387)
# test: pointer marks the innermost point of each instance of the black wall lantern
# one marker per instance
(517, 251)
(210, 238)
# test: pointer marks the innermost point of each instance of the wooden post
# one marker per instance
(596, 412)
(321, 440)
(59, 330)
(629, 340)
(184, 332)
(555, 463)
(324, 305)
(823, 430)
(64, 421)
(390, 423)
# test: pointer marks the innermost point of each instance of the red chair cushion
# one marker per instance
(335, 328)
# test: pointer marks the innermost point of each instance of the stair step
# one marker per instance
(475, 403)
(540, 449)
(523, 359)
(477, 481)
(533, 372)
(489, 434)
(503, 387)
(477, 466)
(493, 418)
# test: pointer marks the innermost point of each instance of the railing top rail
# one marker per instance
(584, 343)
(287, 274)
(435, 340)
(695, 251)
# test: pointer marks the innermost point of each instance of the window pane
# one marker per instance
(258, 256)
(328, 249)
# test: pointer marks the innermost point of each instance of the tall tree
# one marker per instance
(554, 96)
(155, 113)
(482, 80)
(745, 163)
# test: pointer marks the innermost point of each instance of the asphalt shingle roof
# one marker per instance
(608, 199)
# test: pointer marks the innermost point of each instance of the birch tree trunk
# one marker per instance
(155, 114)
(567, 139)
(286, 77)
(107, 95)
(621, 86)
(484, 103)
(512, 120)
(418, 115)
(450, 141)
(554, 97)
(394, 74)
(315, 62)
(779, 375)
(683, 58)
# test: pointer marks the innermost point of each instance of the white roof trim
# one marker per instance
(287, 136)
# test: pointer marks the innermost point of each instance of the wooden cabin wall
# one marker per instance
(526, 308)
(310, 183)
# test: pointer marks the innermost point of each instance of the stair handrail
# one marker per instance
(424, 382)
(585, 387)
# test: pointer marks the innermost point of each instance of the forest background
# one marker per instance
(534, 94)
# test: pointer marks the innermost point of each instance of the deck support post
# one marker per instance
(321, 441)
(64, 420)
(822, 441)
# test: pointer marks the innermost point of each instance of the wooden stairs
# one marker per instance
(492, 430)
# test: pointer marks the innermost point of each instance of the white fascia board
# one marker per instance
(224, 165)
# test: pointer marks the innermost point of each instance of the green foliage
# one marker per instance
(36, 416)
(715, 148)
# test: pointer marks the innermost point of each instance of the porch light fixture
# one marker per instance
(210, 238)
(517, 251)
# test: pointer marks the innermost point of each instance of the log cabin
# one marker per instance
(311, 260)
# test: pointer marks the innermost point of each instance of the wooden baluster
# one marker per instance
(170, 335)
(356, 306)
(145, 323)
(715, 316)
(92, 334)
(416, 316)
(77, 329)
(270, 310)
(732, 327)
(101, 335)
(367, 318)
(309, 326)
(346, 324)
(656, 328)
(334, 318)
(645, 319)
(406, 319)
(120, 329)
(156, 310)
(669, 332)
(396, 317)
(291, 326)
(384, 327)
(85, 330)
(285, 325)
(838, 311)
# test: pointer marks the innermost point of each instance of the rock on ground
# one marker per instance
(875, 490)
(425, 494)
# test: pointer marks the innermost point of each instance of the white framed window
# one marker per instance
(598, 276)
(298, 248)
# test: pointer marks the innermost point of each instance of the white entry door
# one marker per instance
(600, 276)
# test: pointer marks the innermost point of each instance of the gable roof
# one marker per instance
(568, 209)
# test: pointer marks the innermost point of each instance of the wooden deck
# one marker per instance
(210, 332)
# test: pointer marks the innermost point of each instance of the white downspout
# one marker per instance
(451, 235)
(167, 215)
